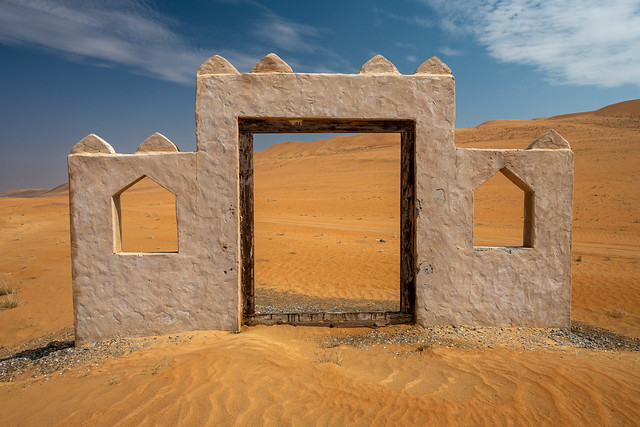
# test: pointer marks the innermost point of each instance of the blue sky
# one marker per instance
(126, 69)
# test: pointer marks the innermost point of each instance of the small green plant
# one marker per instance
(155, 368)
(329, 356)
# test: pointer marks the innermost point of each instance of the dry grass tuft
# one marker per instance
(8, 295)
(616, 314)
(156, 367)
(6, 288)
(9, 301)
(329, 356)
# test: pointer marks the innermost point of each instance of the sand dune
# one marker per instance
(333, 231)
(275, 376)
(26, 193)
(327, 216)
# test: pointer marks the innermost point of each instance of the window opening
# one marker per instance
(503, 212)
(145, 218)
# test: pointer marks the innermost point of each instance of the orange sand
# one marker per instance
(273, 375)
(321, 210)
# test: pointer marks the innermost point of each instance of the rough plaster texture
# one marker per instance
(200, 287)
(157, 143)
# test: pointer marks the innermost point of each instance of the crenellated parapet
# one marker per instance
(272, 63)
(208, 282)
(93, 144)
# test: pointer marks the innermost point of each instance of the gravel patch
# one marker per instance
(580, 336)
(56, 354)
(274, 301)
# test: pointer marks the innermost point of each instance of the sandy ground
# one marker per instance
(327, 219)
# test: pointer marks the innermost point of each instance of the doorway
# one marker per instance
(368, 313)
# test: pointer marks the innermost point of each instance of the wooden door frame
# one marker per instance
(406, 128)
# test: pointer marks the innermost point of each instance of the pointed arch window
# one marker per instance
(503, 212)
(145, 218)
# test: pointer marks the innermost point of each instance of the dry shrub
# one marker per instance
(9, 301)
(6, 288)
(616, 314)
(8, 295)
(329, 356)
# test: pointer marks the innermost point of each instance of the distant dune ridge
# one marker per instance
(26, 193)
(326, 226)
(324, 146)
(60, 190)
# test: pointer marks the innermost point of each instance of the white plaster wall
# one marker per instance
(458, 284)
(141, 294)
(199, 287)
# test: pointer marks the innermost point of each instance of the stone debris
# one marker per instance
(35, 359)
(274, 301)
(56, 354)
(580, 336)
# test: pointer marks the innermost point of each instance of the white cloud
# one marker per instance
(115, 32)
(412, 58)
(412, 19)
(581, 42)
(445, 50)
(132, 34)
(285, 34)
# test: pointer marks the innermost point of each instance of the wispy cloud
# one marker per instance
(581, 42)
(408, 19)
(286, 34)
(134, 35)
(128, 33)
(445, 50)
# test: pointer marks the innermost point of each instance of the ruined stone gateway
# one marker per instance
(208, 282)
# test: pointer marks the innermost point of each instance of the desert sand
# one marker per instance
(327, 219)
